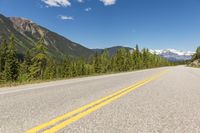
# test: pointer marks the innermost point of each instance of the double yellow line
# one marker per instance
(70, 117)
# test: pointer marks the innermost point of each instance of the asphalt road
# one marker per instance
(168, 103)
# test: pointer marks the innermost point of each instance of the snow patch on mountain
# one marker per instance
(173, 54)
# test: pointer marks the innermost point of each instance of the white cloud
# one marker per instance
(65, 3)
(88, 9)
(108, 2)
(57, 3)
(63, 17)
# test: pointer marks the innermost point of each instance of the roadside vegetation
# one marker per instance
(36, 65)
(196, 59)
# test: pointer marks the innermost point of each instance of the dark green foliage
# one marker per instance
(121, 60)
(11, 72)
(124, 60)
(105, 61)
(97, 63)
(65, 68)
(3, 53)
(37, 65)
(50, 71)
(39, 60)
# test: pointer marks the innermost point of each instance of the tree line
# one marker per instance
(38, 65)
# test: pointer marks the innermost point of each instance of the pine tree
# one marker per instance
(37, 65)
(146, 58)
(25, 67)
(73, 70)
(3, 52)
(65, 67)
(137, 50)
(138, 58)
(120, 59)
(39, 60)
(27, 61)
(105, 61)
(79, 66)
(113, 65)
(11, 71)
(97, 63)
(128, 61)
(50, 71)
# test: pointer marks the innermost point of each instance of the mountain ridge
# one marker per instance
(173, 54)
(169, 54)
(111, 50)
(27, 33)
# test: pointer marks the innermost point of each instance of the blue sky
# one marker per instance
(155, 24)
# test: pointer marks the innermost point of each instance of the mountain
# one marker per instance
(111, 50)
(28, 33)
(169, 54)
(173, 55)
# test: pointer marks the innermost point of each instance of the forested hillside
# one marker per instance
(111, 50)
(27, 33)
(38, 65)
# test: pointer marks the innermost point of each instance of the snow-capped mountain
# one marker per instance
(174, 55)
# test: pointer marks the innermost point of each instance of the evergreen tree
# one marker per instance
(3, 52)
(27, 61)
(11, 63)
(97, 63)
(113, 65)
(50, 71)
(25, 67)
(137, 50)
(39, 60)
(65, 68)
(73, 70)
(105, 61)
(147, 58)
(128, 61)
(120, 59)
(37, 65)
(138, 58)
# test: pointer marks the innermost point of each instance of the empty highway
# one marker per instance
(160, 100)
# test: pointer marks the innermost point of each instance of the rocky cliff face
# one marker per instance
(25, 25)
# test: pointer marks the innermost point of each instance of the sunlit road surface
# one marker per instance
(156, 100)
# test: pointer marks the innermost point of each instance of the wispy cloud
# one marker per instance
(80, 1)
(65, 3)
(108, 2)
(63, 17)
(57, 3)
(88, 9)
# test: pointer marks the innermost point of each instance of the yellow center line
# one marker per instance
(89, 108)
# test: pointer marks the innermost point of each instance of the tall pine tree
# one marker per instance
(11, 71)
(39, 60)
(3, 52)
